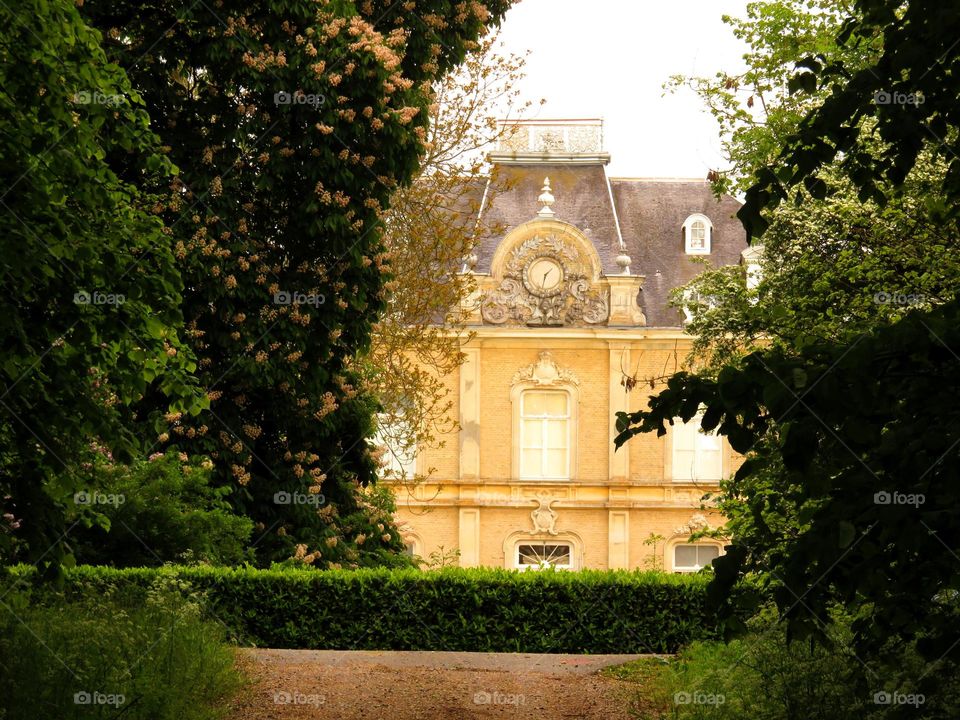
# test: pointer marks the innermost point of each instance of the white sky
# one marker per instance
(610, 58)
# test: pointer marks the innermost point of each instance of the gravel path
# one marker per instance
(366, 685)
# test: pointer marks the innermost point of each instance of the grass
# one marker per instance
(103, 658)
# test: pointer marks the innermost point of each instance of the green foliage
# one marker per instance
(867, 437)
(160, 654)
(92, 294)
(476, 610)
(831, 270)
(908, 91)
(292, 123)
(158, 511)
(763, 675)
(756, 109)
(845, 401)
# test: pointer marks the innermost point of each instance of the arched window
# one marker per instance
(697, 234)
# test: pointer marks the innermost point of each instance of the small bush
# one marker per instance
(764, 677)
(99, 656)
(452, 609)
(160, 510)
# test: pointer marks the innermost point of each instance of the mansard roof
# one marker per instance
(647, 214)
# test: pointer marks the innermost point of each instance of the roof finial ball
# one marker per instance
(546, 199)
(623, 261)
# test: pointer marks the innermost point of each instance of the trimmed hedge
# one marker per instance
(456, 609)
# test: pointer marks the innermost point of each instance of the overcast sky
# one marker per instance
(610, 58)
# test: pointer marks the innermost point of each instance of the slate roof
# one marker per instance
(651, 213)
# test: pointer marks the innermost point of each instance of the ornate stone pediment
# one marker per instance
(545, 371)
(525, 296)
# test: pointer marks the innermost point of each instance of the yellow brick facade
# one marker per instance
(613, 501)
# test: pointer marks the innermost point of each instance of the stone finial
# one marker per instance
(623, 262)
(546, 199)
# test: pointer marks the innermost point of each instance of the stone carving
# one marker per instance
(576, 302)
(545, 371)
(695, 524)
(544, 518)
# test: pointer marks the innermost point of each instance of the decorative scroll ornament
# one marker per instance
(517, 300)
(545, 371)
(695, 524)
(544, 518)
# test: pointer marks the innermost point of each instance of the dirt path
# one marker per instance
(362, 685)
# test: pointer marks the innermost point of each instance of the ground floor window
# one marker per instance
(540, 555)
(691, 557)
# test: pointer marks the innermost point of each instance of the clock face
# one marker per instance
(544, 275)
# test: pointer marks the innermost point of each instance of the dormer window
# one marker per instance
(697, 232)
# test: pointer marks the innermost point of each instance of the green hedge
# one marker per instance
(457, 609)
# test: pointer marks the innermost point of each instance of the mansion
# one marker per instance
(571, 304)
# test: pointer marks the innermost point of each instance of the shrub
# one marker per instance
(452, 609)
(763, 676)
(101, 656)
(160, 510)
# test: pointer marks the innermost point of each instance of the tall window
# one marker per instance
(697, 231)
(697, 455)
(544, 435)
(400, 450)
(689, 557)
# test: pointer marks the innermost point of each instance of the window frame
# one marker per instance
(690, 568)
(688, 235)
(571, 387)
(571, 549)
(407, 466)
(544, 447)
(673, 470)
